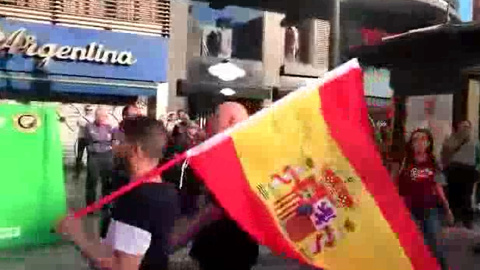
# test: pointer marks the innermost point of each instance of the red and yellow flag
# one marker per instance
(304, 178)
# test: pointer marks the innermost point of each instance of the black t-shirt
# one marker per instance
(223, 243)
(192, 185)
(120, 171)
(142, 221)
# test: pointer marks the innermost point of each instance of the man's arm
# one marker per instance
(97, 253)
(206, 216)
(72, 229)
(125, 261)
(444, 202)
(119, 260)
(445, 152)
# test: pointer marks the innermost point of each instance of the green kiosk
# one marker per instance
(32, 189)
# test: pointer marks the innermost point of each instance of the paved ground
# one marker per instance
(64, 256)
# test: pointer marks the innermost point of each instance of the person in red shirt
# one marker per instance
(417, 184)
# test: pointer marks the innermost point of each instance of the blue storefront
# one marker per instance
(44, 61)
(75, 68)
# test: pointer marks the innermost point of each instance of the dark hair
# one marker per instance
(148, 133)
(457, 124)
(409, 152)
(88, 108)
(125, 110)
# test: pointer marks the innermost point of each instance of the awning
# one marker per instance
(43, 83)
(453, 45)
(426, 61)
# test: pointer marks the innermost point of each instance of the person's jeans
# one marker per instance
(429, 223)
(461, 179)
(99, 167)
(81, 147)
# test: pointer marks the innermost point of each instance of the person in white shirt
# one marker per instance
(82, 142)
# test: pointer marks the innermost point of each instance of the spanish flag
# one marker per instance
(304, 178)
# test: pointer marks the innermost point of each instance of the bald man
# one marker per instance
(219, 243)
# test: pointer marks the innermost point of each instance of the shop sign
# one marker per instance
(20, 42)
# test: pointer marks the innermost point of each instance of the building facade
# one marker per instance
(283, 45)
(271, 56)
(79, 53)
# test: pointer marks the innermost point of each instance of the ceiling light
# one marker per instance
(226, 71)
(227, 92)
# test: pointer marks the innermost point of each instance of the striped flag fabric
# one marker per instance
(304, 178)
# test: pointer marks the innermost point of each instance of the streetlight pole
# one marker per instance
(335, 34)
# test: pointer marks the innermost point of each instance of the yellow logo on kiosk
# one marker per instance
(27, 123)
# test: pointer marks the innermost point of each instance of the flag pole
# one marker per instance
(121, 191)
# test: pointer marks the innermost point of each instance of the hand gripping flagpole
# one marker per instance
(121, 191)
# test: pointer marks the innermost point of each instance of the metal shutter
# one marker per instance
(322, 41)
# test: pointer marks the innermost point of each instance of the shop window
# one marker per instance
(376, 83)
(231, 32)
(297, 42)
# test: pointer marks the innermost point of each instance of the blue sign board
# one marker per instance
(73, 51)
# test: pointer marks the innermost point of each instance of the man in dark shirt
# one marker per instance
(119, 169)
(142, 219)
(186, 181)
(82, 142)
(100, 160)
(120, 175)
(219, 243)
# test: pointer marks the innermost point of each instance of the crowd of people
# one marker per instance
(435, 191)
(136, 230)
(99, 138)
